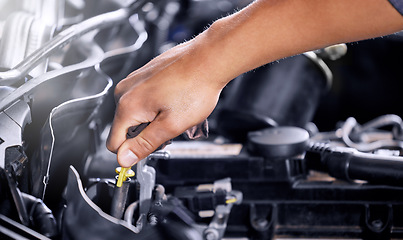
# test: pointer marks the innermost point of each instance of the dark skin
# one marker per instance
(181, 87)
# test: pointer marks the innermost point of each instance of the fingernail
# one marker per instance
(127, 158)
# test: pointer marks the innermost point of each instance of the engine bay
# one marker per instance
(309, 147)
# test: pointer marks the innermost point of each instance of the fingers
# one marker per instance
(118, 131)
(125, 118)
(117, 135)
(133, 150)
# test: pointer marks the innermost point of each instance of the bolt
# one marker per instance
(378, 224)
(261, 223)
(152, 219)
(211, 234)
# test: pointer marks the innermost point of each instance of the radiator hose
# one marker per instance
(350, 164)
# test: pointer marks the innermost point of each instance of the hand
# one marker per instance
(172, 92)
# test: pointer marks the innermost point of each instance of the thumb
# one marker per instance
(147, 141)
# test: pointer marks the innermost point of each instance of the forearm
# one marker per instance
(269, 30)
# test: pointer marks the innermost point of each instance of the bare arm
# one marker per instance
(180, 88)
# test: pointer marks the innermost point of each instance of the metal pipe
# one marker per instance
(61, 40)
(65, 37)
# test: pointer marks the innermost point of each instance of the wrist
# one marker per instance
(213, 56)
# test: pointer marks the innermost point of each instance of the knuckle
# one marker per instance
(124, 103)
(119, 90)
(111, 147)
(112, 143)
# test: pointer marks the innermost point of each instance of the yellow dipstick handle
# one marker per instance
(124, 173)
(231, 200)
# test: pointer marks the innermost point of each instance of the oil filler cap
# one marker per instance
(278, 142)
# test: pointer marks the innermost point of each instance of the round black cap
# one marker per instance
(278, 142)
